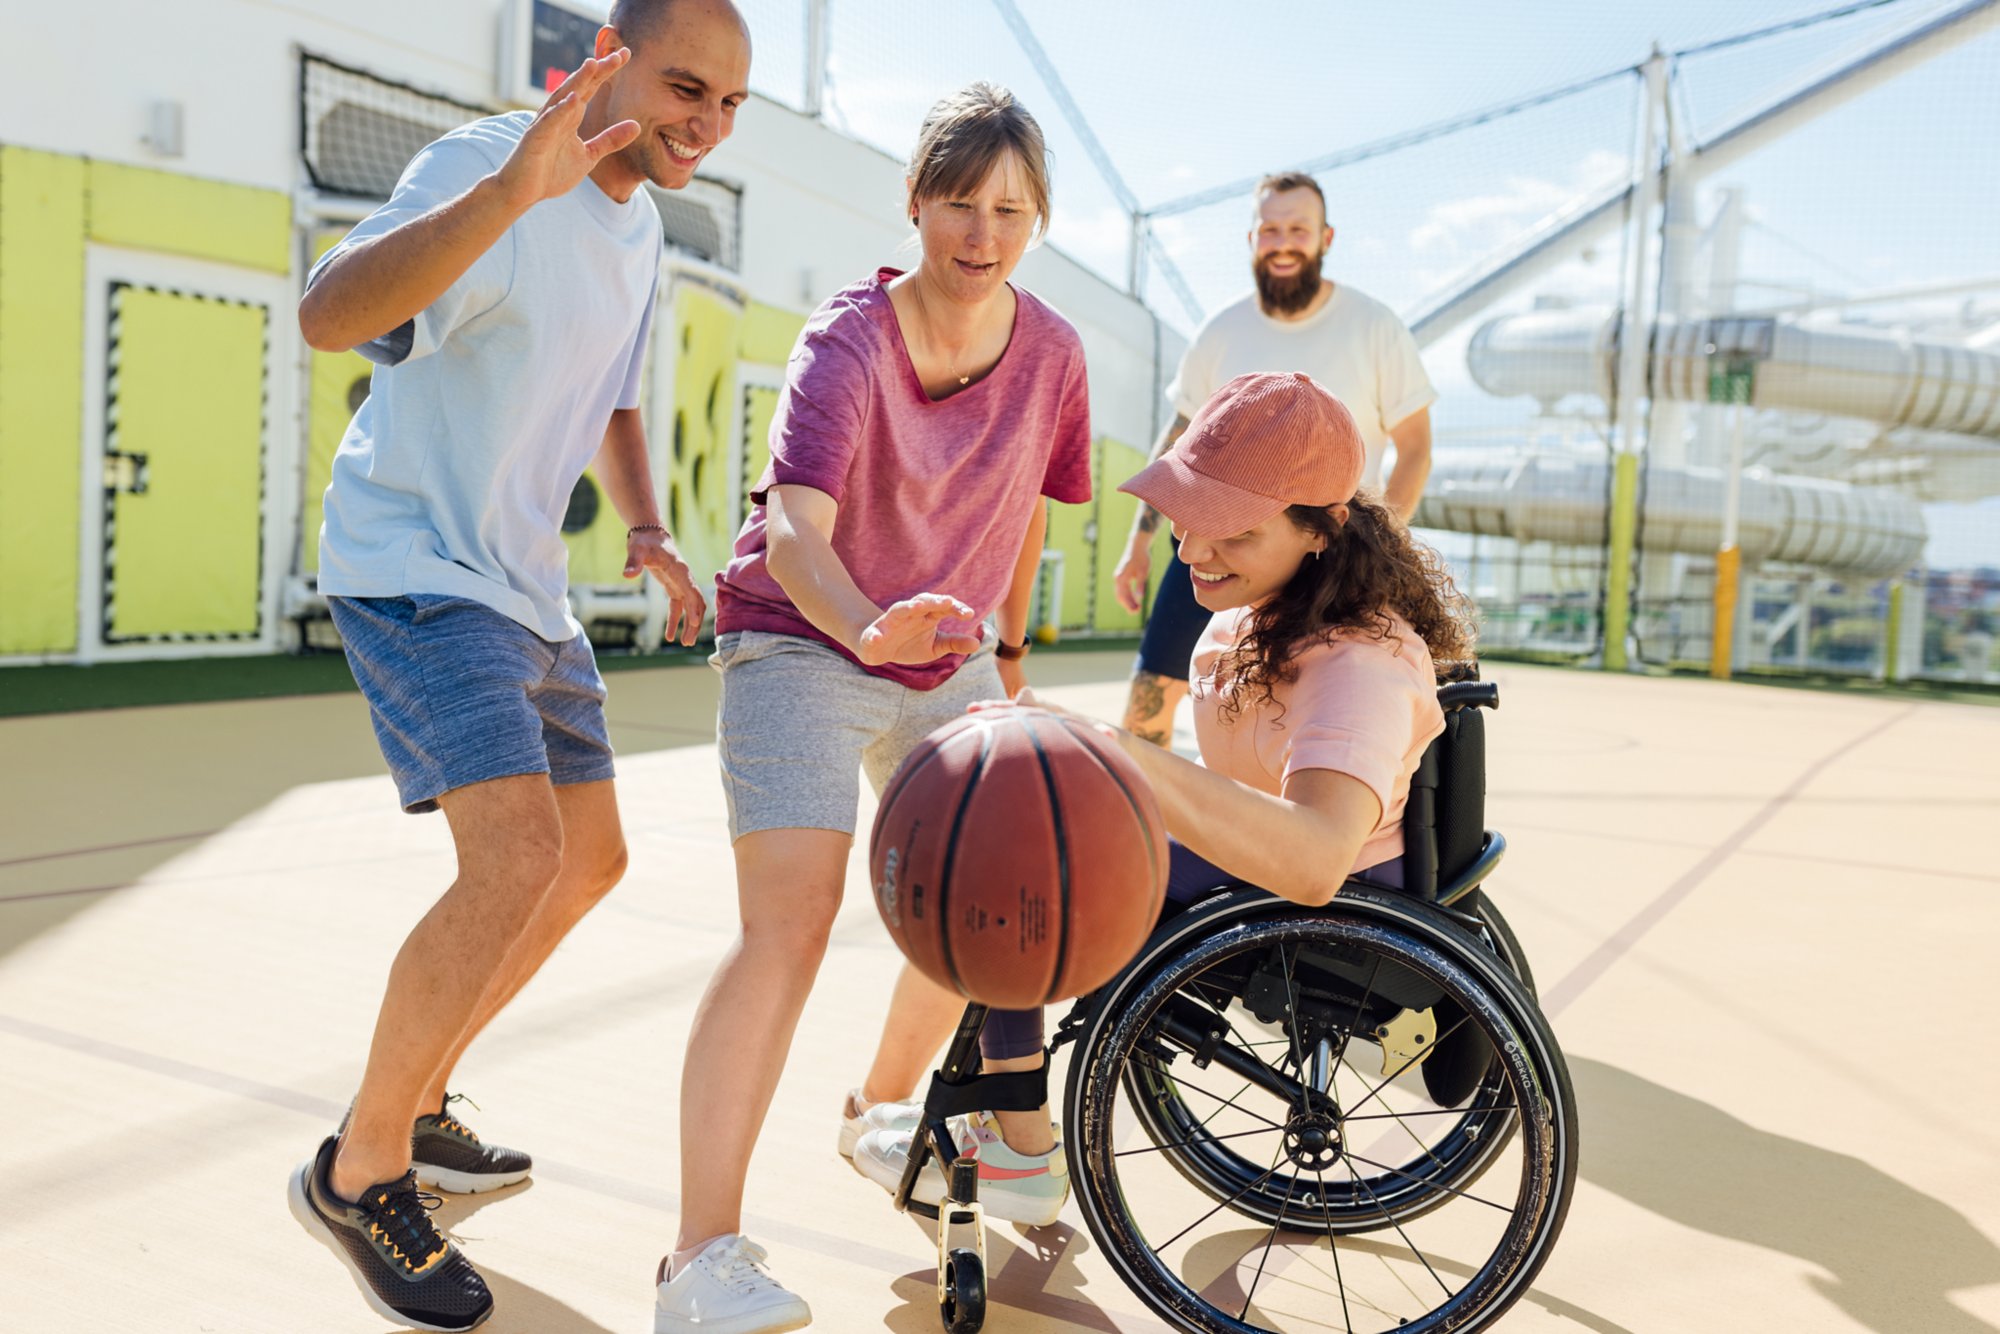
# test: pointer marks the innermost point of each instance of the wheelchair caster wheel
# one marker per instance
(963, 1307)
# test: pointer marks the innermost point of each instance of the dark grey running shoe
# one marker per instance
(403, 1265)
(448, 1156)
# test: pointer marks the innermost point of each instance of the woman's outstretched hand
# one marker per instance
(919, 630)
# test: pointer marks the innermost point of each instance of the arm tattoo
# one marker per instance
(1148, 519)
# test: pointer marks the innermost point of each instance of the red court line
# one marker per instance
(1599, 961)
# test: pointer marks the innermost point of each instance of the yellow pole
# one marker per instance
(1722, 638)
(1892, 650)
(1618, 578)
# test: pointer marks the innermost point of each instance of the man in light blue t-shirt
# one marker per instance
(505, 293)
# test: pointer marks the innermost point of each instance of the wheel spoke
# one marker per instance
(1292, 1009)
(1391, 1077)
(1333, 1249)
(1435, 1111)
(1359, 1180)
(1184, 1143)
(1221, 1106)
(1432, 1182)
(1367, 994)
(1226, 1102)
(1269, 1241)
(1269, 1172)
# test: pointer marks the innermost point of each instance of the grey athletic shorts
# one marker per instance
(799, 722)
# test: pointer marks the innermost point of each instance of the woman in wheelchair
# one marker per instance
(1314, 694)
(1349, 1058)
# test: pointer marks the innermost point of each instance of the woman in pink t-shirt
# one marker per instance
(926, 418)
(1314, 686)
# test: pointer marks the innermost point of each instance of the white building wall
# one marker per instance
(819, 209)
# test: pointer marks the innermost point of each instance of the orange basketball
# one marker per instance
(1018, 857)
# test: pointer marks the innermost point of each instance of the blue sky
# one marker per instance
(1899, 187)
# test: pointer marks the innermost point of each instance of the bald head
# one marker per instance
(640, 21)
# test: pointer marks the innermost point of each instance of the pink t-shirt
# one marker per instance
(934, 497)
(1360, 706)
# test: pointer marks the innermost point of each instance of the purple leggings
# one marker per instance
(1011, 1034)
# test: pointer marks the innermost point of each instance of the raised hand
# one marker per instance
(1129, 579)
(919, 630)
(552, 158)
(648, 549)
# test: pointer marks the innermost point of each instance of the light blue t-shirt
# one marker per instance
(484, 410)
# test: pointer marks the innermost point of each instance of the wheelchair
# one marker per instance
(1279, 1119)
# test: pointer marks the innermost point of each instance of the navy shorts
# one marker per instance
(1175, 626)
(461, 694)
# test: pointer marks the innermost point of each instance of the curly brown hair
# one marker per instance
(1370, 567)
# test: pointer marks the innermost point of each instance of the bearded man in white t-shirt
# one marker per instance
(1297, 319)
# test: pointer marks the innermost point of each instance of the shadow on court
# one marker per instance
(1894, 1253)
(518, 1308)
(95, 802)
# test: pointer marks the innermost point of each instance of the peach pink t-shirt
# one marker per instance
(1361, 706)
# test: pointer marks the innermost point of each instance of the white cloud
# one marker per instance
(1458, 230)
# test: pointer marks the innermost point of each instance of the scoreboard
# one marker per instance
(541, 43)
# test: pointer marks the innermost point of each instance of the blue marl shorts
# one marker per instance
(461, 694)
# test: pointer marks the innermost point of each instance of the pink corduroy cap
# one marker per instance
(1263, 443)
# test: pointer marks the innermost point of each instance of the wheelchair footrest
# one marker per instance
(1016, 1091)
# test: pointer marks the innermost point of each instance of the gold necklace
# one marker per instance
(931, 329)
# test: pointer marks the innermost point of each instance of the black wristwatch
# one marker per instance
(1007, 652)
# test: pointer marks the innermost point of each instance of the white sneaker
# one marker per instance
(1019, 1187)
(894, 1116)
(725, 1290)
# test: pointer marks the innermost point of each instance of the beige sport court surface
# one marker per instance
(1764, 921)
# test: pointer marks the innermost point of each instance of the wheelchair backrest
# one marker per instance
(1444, 822)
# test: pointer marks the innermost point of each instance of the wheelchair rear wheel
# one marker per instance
(1269, 1070)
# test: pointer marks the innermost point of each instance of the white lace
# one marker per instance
(738, 1266)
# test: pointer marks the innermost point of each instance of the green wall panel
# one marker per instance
(189, 396)
(1070, 530)
(768, 333)
(760, 405)
(707, 327)
(1116, 463)
(182, 215)
(42, 228)
(597, 552)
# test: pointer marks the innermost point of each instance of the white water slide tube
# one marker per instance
(1563, 499)
(1872, 374)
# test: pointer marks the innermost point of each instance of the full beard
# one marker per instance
(1288, 295)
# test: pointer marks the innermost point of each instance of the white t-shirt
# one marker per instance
(1354, 345)
(484, 410)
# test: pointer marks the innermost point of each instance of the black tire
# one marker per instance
(1481, 905)
(1138, 1059)
(1455, 1075)
(963, 1310)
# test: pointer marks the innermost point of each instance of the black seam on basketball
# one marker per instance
(1062, 867)
(1138, 812)
(911, 766)
(951, 858)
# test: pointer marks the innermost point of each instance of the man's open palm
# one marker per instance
(552, 158)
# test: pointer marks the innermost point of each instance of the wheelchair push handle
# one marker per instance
(1469, 695)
